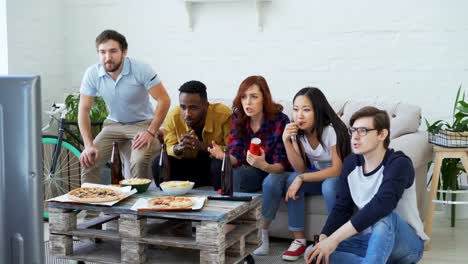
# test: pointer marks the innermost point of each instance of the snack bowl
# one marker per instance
(141, 185)
(175, 188)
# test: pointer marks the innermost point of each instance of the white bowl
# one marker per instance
(176, 190)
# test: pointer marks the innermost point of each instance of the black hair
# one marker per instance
(324, 116)
(110, 34)
(194, 87)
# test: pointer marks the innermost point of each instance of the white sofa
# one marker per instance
(405, 136)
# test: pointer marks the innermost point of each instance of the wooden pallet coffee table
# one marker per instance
(225, 232)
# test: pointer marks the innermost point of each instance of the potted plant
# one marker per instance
(451, 135)
(97, 115)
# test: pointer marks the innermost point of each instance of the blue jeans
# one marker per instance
(273, 189)
(392, 240)
(296, 208)
(248, 179)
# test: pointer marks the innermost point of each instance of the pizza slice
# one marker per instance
(94, 195)
(170, 203)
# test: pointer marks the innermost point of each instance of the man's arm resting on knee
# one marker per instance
(84, 123)
(159, 93)
(90, 153)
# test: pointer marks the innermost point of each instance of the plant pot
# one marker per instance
(453, 135)
(449, 139)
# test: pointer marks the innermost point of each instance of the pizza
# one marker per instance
(94, 195)
(170, 203)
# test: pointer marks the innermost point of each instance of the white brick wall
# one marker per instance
(3, 39)
(36, 44)
(411, 51)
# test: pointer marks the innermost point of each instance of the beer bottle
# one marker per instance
(116, 165)
(227, 185)
(316, 240)
(163, 168)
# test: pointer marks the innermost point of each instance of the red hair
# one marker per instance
(270, 108)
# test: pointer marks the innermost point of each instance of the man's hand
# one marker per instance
(257, 161)
(322, 250)
(216, 151)
(190, 142)
(89, 156)
(293, 188)
(142, 139)
(198, 144)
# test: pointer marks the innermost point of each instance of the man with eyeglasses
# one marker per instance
(379, 182)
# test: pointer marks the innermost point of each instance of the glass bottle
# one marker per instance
(227, 186)
(316, 240)
(116, 165)
(163, 168)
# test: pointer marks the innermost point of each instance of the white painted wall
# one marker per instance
(409, 51)
(36, 44)
(3, 39)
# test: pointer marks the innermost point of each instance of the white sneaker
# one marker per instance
(262, 250)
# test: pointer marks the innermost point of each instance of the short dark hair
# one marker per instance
(380, 118)
(194, 87)
(110, 34)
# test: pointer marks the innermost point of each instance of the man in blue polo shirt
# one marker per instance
(125, 86)
(379, 182)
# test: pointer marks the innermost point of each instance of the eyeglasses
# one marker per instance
(362, 131)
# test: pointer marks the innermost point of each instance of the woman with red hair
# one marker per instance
(256, 115)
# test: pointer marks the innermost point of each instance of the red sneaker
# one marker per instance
(295, 251)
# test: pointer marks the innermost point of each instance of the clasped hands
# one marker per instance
(190, 142)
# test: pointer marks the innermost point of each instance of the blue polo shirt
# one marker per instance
(127, 98)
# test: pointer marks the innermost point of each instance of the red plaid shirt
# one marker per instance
(270, 133)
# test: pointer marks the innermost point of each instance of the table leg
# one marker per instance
(211, 237)
(131, 228)
(434, 184)
(61, 220)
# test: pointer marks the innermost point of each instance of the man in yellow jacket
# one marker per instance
(189, 129)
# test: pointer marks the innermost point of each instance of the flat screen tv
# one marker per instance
(21, 226)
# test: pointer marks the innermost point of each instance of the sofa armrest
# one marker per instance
(416, 146)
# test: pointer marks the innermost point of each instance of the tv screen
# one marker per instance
(21, 226)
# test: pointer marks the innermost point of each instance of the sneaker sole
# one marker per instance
(291, 258)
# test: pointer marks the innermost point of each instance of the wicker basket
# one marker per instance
(449, 139)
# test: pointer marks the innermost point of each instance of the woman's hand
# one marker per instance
(290, 130)
(216, 151)
(258, 162)
(293, 188)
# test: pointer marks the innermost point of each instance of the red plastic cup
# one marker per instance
(255, 146)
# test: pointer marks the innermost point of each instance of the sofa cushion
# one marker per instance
(404, 118)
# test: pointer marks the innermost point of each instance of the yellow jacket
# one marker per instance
(217, 128)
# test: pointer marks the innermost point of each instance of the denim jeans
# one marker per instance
(296, 208)
(248, 179)
(274, 190)
(392, 240)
